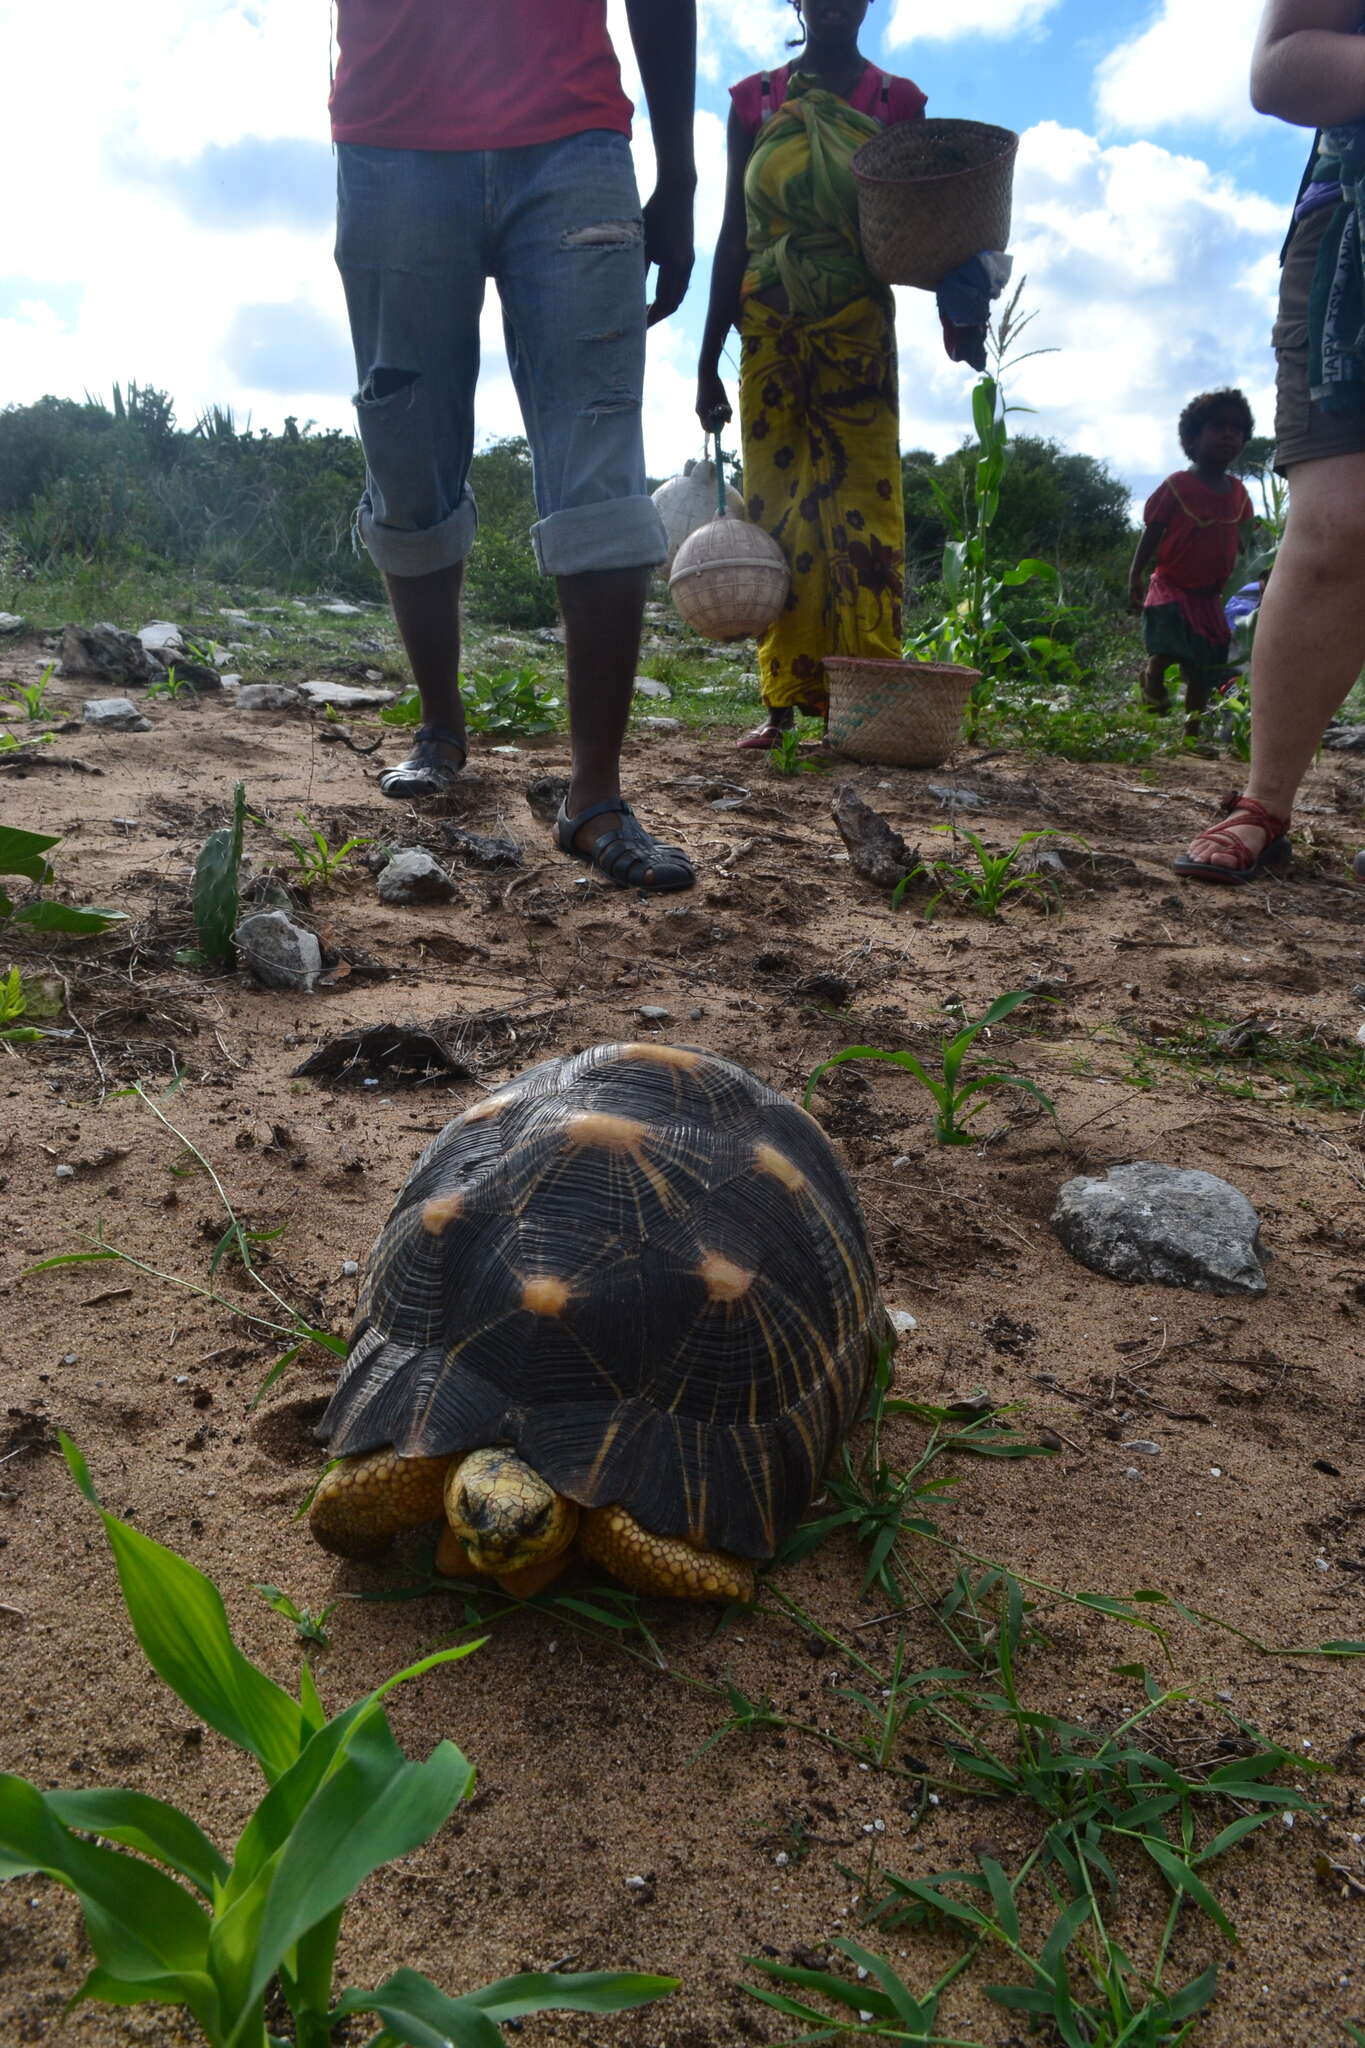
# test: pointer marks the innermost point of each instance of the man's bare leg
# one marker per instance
(426, 610)
(603, 612)
(1310, 638)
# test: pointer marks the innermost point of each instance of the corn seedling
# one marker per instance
(988, 886)
(309, 1628)
(950, 1093)
(173, 1921)
(786, 757)
(22, 855)
(22, 1001)
(217, 874)
(28, 697)
(172, 685)
(320, 863)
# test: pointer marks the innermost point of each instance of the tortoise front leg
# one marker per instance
(662, 1564)
(362, 1503)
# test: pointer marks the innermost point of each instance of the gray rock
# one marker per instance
(279, 952)
(654, 1013)
(107, 653)
(1169, 1225)
(1345, 739)
(163, 638)
(198, 675)
(955, 799)
(484, 849)
(115, 714)
(545, 794)
(344, 697)
(268, 697)
(11, 624)
(645, 686)
(339, 610)
(876, 851)
(414, 876)
(662, 724)
(502, 647)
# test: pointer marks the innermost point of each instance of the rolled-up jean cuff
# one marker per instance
(404, 551)
(620, 533)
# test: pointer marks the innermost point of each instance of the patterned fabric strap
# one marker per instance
(1336, 304)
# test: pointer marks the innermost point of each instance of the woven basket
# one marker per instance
(730, 580)
(907, 714)
(932, 194)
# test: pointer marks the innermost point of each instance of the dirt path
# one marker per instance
(1253, 1506)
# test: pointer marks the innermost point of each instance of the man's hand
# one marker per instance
(1137, 599)
(668, 243)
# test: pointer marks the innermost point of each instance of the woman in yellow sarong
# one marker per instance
(818, 364)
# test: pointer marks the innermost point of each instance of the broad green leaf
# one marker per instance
(902, 2001)
(417, 2012)
(179, 1619)
(515, 1998)
(65, 917)
(144, 1928)
(837, 1989)
(21, 853)
(373, 1806)
(1181, 1878)
(68, 1259)
(138, 1821)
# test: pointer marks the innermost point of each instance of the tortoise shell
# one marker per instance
(643, 1270)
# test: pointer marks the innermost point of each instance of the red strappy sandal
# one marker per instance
(1245, 866)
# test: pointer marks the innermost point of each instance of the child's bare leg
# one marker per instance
(1155, 695)
(1198, 690)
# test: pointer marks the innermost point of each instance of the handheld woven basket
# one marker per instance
(907, 714)
(730, 579)
(932, 194)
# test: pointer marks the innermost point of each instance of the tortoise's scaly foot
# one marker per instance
(662, 1564)
(363, 1502)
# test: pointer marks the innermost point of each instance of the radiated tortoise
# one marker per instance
(623, 1306)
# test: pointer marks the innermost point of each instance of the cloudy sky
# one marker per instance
(168, 183)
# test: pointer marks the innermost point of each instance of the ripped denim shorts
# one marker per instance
(558, 227)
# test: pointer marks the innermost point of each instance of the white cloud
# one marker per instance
(1191, 63)
(1152, 278)
(918, 21)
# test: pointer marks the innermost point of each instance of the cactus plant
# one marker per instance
(215, 883)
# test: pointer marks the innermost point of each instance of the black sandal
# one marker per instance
(627, 855)
(424, 773)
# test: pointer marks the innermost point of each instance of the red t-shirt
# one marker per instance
(888, 99)
(1199, 548)
(474, 74)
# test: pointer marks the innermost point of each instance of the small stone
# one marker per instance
(503, 647)
(661, 724)
(484, 849)
(415, 876)
(1345, 739)
(268, 697)
(1132, 1473)
(901, 1159)
(343, 697)
(637, 1884)
(108, 653)
(279, 952)
(696, 1014)
(339, 610)
(902, 1322)
(229, 682)
(545, 794)
(652, 1013)
(1145, 1446)
(66, 1173)
(1215, 1471)
(645, 686)
(115, 714)
(11, 624)
(782, 1859)
(349, 1268)
(1164, 1225)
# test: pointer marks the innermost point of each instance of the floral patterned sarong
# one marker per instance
(818, 405)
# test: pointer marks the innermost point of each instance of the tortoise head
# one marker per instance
(504, 1513)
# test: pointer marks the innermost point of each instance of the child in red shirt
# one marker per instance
(1196, 525)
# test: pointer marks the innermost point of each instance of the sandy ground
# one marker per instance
(589, 1773)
